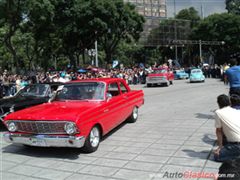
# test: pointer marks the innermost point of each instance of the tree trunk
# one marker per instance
(83, 57)
(72, 61)
(108, 57)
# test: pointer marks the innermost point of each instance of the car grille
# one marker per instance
(41, 127)
(155, 78)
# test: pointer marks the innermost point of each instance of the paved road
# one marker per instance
(174, 134)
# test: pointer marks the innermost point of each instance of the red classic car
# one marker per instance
(79, 115)
(160, 76)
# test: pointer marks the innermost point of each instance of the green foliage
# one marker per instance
(233, 6)
(221, 27)
(36, 33)
(123, 22)
(190, 14)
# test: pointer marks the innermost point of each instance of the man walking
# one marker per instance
(233, 77)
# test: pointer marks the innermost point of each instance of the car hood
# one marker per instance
(21, 101)
(57, 110)
(196, 75)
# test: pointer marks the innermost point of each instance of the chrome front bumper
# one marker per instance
(45, 140)
(162, 81)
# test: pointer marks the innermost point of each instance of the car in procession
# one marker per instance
(180, 74)
(196, 75)
(30, 95)
(78, 116)
(160, 76)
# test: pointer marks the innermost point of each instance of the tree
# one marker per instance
(123, 22)
(233, 6)
(10, 19)
(221, 27)
(190, 14)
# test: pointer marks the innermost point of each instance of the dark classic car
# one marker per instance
(81, 113)
(30, 95)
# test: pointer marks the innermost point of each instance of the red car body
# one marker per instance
(34, 125)
(160, 76)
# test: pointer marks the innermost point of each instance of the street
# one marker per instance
(174, 133)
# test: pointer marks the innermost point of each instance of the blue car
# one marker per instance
(180, 74)
(196, 75)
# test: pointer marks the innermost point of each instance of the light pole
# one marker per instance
(96, 50)
(200, 50)
(175, 31)
(96, 54)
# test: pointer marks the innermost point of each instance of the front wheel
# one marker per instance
(134, 116)
(93, 140)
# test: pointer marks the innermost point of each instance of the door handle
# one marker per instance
(105, 110)
(125, 97)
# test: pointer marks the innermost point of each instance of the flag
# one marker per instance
(115, 63)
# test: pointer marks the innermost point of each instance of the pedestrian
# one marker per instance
(227, 123)
(233, 77)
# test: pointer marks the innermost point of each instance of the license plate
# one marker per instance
(37, 142)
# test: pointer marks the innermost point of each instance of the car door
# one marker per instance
(113, 108)
(127, 100)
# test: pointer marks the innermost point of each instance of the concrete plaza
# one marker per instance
(174, 134)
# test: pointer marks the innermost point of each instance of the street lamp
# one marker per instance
(200, 50)
(96, 51)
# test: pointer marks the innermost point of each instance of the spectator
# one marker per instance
(233, 77)
(235, 101)
(227, 123)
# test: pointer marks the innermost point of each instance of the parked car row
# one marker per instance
(164, 76)
(78, 115)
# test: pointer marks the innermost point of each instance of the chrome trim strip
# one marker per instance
(45, 140)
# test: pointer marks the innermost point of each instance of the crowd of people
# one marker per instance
(11, 83)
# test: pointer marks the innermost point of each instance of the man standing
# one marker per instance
(227, 123)
(233, 77)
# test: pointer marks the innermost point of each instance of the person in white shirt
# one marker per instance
(227, 122)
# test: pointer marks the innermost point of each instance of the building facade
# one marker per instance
(150, 8)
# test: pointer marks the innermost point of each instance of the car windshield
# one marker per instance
(196, 71)
(158, 71)
(82, 91)
(39, 90)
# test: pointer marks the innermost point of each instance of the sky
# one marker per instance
(208, 6)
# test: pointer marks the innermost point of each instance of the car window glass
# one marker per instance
(35, 90)
(123, 88)
(113, 89)
(82, 91)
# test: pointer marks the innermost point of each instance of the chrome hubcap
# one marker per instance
(135, 113)
(94, 137)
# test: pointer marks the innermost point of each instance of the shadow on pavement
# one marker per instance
(209, 139)
(198, 154)
(48, 152)
(114, 130)
(204, 116)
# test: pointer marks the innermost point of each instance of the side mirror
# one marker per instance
(108, 96)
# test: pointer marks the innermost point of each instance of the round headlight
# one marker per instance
(12, 127)
(70, 128)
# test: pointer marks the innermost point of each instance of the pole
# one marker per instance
(175, 31)
(96, 54)
(200, 50)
